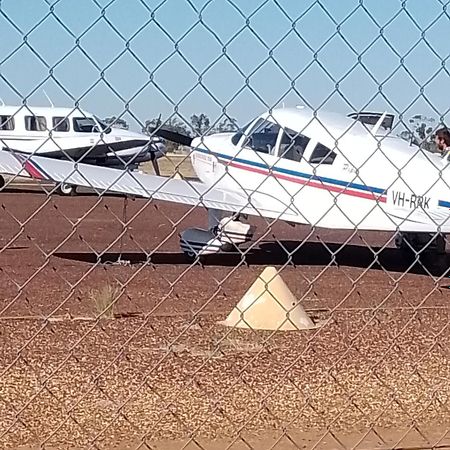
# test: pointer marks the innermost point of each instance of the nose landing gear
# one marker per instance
(227, 235)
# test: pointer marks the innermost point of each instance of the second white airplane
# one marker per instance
(74, 134)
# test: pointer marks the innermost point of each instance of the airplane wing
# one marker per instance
(103, 179)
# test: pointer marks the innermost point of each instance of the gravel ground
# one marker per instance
(164, 369)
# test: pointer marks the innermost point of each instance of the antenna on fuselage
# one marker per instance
(378, 124)
(48, 98)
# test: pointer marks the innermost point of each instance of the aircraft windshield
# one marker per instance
(263, 136)
(237, 136)
(103, 125)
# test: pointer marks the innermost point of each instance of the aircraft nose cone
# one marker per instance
(157, 147)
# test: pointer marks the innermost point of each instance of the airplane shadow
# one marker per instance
(15, 247)
(287, 252)
(38, 191)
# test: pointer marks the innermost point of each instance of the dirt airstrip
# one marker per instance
(163, 372)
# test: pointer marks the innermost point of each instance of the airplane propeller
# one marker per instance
(170, 135)
(173, 136)
(155, 165)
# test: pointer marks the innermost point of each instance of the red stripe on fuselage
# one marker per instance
(311, 183)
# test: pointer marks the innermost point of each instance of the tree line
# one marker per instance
(199, 125)
(420, 130)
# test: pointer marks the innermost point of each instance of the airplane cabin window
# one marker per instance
(293, 145)
(60, 124)
(322, 155)
(263, 137)
(6, 123)
(35, 123)
(85, 125)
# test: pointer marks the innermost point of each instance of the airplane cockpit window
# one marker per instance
(35, 123)
(105, 127)
(60, 124)
(85, 125)
(6, 123)
(238, 135)
(263, 137)
(293, 145)
(322, 155)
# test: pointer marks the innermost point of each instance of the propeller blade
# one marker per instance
(156, 166)
(173, 136)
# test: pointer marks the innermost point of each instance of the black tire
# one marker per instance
(67, 190)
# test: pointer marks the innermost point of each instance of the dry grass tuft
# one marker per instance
(105, 299)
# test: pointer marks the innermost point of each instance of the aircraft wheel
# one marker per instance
(191, 257)
(414, 243)
(66, 189)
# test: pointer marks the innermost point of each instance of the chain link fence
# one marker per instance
(298, 323)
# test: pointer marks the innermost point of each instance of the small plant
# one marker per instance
(105, 299)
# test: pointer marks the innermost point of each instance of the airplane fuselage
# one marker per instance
(338, 177)
(47, 130)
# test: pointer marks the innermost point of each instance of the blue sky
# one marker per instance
(194, 56)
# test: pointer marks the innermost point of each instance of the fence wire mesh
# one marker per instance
(280, 285)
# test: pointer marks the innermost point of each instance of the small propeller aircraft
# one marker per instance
(292, 164)
(76, 135)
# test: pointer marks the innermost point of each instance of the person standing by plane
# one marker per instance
(442, 141)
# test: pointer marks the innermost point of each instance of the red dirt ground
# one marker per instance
(165, 370)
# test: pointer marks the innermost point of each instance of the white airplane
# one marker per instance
(74, 134)
(319, 169)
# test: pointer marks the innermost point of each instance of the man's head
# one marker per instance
(442, 139)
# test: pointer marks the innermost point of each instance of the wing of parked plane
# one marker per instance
(257, 203)
(103, 179)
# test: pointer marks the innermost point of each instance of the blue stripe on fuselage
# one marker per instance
(294, 173)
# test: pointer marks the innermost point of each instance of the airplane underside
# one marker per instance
(227, 233)
(418, 243)
(223, 235)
